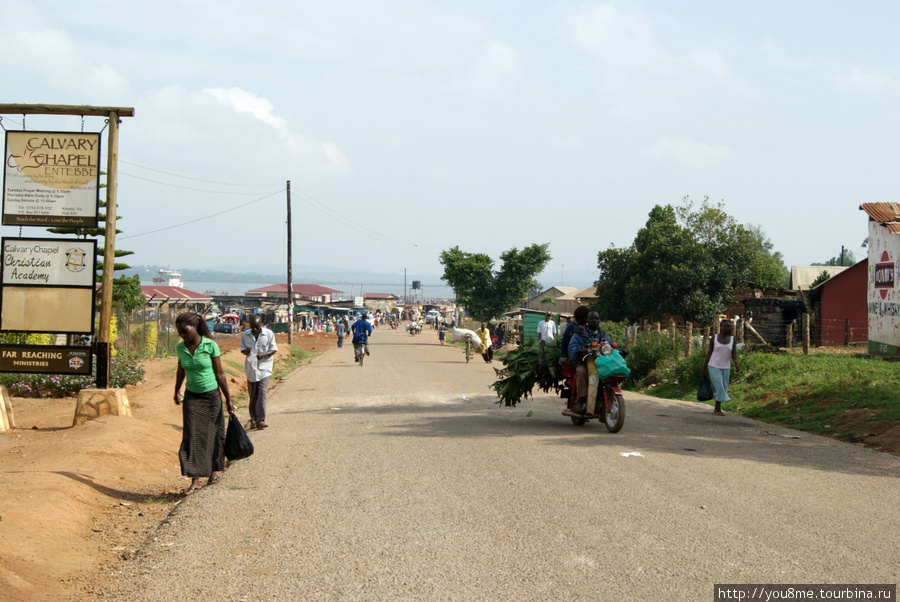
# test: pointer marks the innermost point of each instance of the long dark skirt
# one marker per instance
(203, 438)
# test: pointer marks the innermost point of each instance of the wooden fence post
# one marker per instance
(688, 338)
(656, 328)
(672, 330)
(805, 327)
(789, 336)
(739, 331)
(846, 332)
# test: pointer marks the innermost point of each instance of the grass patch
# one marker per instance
(285, 363)
(235, 365)
(837, 395)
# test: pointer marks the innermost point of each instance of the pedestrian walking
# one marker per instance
(722, 351)
(202, 451)
(258, 345)
(340, 331)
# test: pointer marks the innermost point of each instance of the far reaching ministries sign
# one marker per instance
(51, 179)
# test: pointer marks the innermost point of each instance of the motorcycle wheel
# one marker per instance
(615, 417)
(578, 421)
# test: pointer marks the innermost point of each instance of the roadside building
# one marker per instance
(560, 294)
(300, 292)
(385, 303)
(882, 296)
(164, 298)
(844, 316)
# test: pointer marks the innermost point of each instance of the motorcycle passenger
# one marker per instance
(579, 346)
(361, 330)
(581, 315)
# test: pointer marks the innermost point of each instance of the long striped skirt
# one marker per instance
(203, 438)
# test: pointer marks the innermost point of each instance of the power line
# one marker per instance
(122, 173)
(200, 219)
(175, 175)
(309, 200)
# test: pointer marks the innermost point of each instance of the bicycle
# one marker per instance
(468, 350)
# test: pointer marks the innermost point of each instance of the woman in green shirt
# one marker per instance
(202, 452)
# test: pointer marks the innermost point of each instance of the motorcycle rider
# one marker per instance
(579, 346)
(361, 330)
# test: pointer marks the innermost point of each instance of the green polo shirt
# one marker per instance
(198, 368)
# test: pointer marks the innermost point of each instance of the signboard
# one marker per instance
(47, 285)
(45, 359)
(51, 179)
(882, 296)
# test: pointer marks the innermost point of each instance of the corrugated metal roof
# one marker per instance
(882, 212)
(299, 289)
(172, 292)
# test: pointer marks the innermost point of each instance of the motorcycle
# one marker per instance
(605, 401)
(359, 352)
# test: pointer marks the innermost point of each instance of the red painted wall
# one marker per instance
(844, 298)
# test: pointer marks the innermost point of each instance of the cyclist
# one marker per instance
(361, 330)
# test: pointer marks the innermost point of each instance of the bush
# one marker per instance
(616, 331)
(652, 351)
(124, 369)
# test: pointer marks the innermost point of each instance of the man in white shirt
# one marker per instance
(258, 344)
(547, 329)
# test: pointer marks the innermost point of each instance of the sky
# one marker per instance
(406, 128)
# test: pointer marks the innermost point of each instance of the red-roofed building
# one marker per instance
(156, 295)
(305, 292)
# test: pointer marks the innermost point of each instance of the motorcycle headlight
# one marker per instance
(606, 349)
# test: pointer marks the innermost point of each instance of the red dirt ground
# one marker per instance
(76, 502)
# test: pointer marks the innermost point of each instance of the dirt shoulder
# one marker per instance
(78, 501)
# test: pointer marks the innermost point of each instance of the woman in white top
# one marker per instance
(722, 351)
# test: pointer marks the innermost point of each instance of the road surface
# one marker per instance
(403, 480)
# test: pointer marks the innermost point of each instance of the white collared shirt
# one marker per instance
(257, 369)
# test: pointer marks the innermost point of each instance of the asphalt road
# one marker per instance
(403, 480)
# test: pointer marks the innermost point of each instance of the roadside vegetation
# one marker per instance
(286, 362)
(124, 369)
(845, 396)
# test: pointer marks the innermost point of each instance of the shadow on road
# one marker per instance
(649, 429)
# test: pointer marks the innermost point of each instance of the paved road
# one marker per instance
(403, 480)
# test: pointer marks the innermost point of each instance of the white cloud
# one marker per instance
(64, 68)
(687, 152)
(221, 128)
(243, 101)
(863, 80)
(710, 61)
(570, 142)
(495, 74)
(620, 38)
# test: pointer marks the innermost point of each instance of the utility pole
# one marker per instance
(405, 295)
(290, 292)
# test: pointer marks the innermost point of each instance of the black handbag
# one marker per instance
(237, 444)
(705, 390)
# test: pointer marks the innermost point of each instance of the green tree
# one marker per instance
(548, 300)
(685, 261)
(487, 293)
(846, 258)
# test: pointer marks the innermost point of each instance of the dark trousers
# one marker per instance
(340, 341)
(257, 392)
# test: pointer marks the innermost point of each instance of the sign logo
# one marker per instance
(884, 275)
(74, 260)
(75, 363)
